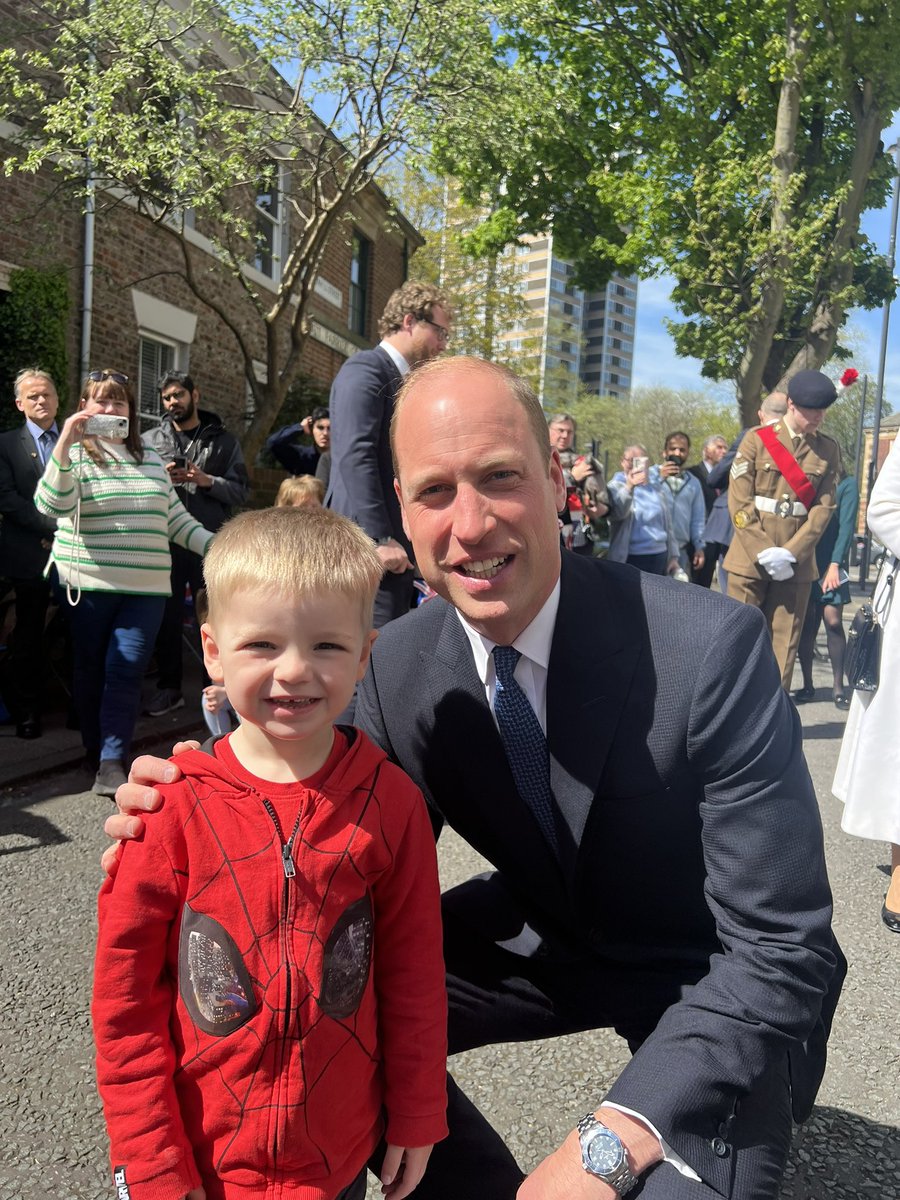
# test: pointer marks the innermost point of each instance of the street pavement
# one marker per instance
(52, 1141)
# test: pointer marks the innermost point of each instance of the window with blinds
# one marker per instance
(155, 358)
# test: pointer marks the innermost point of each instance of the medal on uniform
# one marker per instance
(741, 519)
(784, 508)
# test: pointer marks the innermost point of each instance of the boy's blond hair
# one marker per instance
(300, 489)
(295, 552)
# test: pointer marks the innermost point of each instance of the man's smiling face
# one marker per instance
(480, 498)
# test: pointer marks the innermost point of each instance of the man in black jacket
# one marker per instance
(207, 468)
(25, 538)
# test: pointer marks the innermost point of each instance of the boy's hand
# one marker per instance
(402, 1169)
(137, 796)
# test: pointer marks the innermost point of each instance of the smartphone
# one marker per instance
(106, 427)
(639, 464)
(180, 462)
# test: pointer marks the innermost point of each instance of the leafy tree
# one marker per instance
(482, 285)
(33, 319)
(176, 108)
(736, 145)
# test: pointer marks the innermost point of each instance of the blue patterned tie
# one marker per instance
(48, 441)
(524, 742)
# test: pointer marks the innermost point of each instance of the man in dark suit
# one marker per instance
(414, 327)
(714, 449)
(25, 538)
(655, 838)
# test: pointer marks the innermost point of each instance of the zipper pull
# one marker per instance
(287, 861)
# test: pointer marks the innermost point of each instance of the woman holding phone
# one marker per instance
(639, 521)
(116, 512)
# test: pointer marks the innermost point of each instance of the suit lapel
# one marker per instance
(595, 652)
(497, 824)
(30, 452)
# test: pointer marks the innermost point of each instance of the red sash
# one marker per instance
(793, 473)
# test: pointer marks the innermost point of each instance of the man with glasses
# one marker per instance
(25, 538)
(414, 327)
(206, 465)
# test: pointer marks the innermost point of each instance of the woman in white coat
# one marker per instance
(868, 770)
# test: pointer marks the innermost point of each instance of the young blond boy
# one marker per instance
(269, 990)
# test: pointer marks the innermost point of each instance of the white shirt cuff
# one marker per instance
(669, 1154)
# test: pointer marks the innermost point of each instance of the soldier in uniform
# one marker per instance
(781, 498)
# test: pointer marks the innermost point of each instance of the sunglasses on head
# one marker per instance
(115, 376)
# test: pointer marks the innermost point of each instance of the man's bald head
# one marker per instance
(773, 407)
(440, 370)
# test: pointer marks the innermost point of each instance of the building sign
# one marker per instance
(329, 292)
(332, 340)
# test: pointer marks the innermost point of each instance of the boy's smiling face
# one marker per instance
(289, 666)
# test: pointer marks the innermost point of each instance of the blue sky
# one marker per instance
(657, 363)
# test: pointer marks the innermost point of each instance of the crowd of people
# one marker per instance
(272, 1012)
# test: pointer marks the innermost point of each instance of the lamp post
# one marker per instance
(882, 358)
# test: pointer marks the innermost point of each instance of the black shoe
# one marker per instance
(891, 919)
(841, 700)
(110, 775)
(29, 728)
(804, 695)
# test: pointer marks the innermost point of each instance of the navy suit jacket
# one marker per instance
(361, 485)
(22, 527)
(692, 847)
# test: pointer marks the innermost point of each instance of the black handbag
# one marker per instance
(862, 662)
(863, 650)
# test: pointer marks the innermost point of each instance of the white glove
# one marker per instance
(777, 562)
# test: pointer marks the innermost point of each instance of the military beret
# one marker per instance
(811, 389)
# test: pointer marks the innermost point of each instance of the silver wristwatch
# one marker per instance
(603, 1155)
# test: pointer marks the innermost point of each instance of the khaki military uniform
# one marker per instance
(756, 488)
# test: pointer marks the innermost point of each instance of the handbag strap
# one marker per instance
(882, 604)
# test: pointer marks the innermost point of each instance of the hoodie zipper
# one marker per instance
(290, 870)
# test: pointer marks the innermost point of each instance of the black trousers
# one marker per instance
(497, 994)
(26, 666)
(187, 570)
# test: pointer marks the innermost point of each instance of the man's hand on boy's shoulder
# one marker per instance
(402, 1169)
(138, 796)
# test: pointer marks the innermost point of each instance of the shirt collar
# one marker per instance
(36, 431)
(791, 430)
(395, 356)
(533, 642)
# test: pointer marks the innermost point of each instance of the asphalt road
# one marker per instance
(52, 1142)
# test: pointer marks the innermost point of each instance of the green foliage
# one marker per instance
(178, 108)
(659, 141)
(480, 282)
(647, 417)
(33, 322)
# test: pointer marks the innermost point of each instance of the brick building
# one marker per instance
(144, 316)
(139, 313)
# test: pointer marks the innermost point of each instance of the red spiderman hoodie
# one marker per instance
(269, 989)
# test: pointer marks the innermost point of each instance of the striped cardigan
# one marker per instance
(129, 514)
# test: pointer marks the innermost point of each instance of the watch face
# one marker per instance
(603, 1152)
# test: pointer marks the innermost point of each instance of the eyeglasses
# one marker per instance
(115, 376)
(443, 332)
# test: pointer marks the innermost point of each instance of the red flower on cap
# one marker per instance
(848, 378)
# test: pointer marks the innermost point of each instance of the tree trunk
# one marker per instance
(784, 157)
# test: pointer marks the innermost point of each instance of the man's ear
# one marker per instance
(211, 653)
(368, 643)
(403, 519)
(557, 479)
